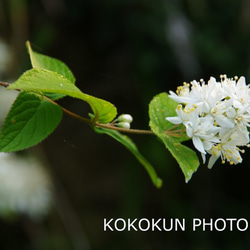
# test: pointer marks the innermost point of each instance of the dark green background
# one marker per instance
(126, 52)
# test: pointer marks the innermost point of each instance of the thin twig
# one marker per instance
(92, 123)
(89, 121)
(66, 111)
(4, 84)
(124, 130)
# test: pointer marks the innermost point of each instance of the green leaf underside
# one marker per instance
(159, 108)
(30, 120)
(42, 80)
(41, 61)
(129, 144)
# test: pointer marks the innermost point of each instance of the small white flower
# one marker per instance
(184, 115)
(238, 91)
(220, 113)
(204, 134)
(228, 150)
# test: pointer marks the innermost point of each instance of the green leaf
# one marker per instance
(159, 108)
(51, 82)
(30, 120)
(41, 61)
(129, 144)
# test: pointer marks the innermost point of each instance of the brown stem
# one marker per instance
(124, 130)
(90, 122)
(101, 125)
(4, 84)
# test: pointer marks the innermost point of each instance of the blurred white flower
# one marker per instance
(5, 56)
(25, 186)
(216, 116)
(6, 100)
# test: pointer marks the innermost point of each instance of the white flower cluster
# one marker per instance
(216, 116)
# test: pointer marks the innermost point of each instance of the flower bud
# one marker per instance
(125, 118)
(123, 125)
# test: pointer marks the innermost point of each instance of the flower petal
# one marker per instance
(212, 160)
(174, 119)
(198, 144)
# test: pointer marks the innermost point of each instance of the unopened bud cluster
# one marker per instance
(124, 121)
(216, 116)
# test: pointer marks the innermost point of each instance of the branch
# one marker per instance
(4, 84)
(89, 121)
(171, 131)
(124, 130)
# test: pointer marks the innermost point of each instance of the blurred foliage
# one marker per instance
(127, 52)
